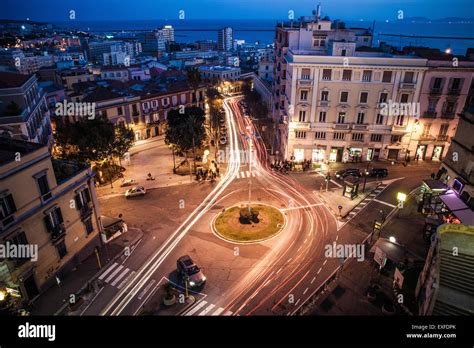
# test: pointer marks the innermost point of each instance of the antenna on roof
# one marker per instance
(318, 11)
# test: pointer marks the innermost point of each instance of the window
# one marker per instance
(320, 135)
(19, 239)
(300, 135)
(44, 187)
(379, 119)
(302, 117)
(119, 110)
(304, 95)
(367, 75)
(443, 130)
(404, 98)
(437, 83)
(408, 78)
(88, 225)
(387, 76)
(360, 118)
(322, 116)
(305, 74)
(7, 208)
(400, 120)
(363, 97)
(325, 95)
(61, 247)
(426, 129)
(346, 75)
(455, 84)
(449, 108)
(358, 136)
(327, 74)
(396, 139)
(339, 136)
(341, 117)
(344, 97)
(376, 138)
(103, 113)
(82, 198)
(383, 97)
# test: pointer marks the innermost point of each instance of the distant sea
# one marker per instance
(266, 36)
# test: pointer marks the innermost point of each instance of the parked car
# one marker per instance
(128, 182)
(377, 172)
(187, 268)
(135, 192)
(223, 140)
(341, 174)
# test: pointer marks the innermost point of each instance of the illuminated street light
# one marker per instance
(401, 197)
(392, 239)
(2, 295)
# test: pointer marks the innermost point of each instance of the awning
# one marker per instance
(458, 207)
(394, 252)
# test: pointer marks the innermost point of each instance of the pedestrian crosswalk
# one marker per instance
(246, 174)
(203, 308)
(116, 275)
(366, 201)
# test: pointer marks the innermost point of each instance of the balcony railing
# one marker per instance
(442, 137)
(436, 91)
(304, 82)
(448, 115)
(57, 232)
(300, 125)
(323, 103)
(407, 86)
(86, 210)
(455, 91)
(341, 126)
(427, 137)
(360, 127)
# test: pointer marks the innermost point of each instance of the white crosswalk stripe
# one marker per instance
(116, 273)
(246, 174)
(204, 308)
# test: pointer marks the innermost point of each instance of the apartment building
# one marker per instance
(444, 94)
(225, 39)
(219, 73)
(54, 209)
(24, 113)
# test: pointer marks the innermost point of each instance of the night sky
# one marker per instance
(86, 10)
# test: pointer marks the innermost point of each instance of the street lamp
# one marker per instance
(392, 239)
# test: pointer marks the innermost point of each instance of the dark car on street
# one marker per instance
(341, 174)
(188, 269)
(377, 172)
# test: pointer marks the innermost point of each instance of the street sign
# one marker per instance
(380, 257)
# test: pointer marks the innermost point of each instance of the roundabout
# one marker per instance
(239, 225)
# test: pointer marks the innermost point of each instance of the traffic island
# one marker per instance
(239, 224)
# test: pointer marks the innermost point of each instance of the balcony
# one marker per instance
(429, 114)
(300, 125)
(442, 137)
(399, 128)
(407, 86)
(427, 137)
(323, 102)
(360, 127)
(57, 232)
(305, 82)
(448, 115)
(341, 126)
(436, 91)
(86, 210)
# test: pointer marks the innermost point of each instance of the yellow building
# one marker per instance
(48, 204)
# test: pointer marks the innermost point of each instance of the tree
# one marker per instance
(123, 141)
(215, 111)
(194, 77)
(86, 140)
(186, 129)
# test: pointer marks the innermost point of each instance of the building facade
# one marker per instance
(218, 73)
(55, 209)
(24, 113)
(225, 39)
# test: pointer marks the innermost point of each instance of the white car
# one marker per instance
(223, 140)
(128, 182)
(135, 192)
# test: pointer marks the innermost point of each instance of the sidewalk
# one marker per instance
(54, 301)
(348, 293)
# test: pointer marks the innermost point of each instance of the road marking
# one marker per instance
(382, 202)
(289, 259)
(337, 237)
(305, 241)
(114, 273)
(196, 308)
(297, 302)
(302, 207)
(325, 262)
(108, 270)
(279, 270)
(319, 270)
(143, 293)
(121, 275)
(207, 310)
(335, 183)
(125, 280)
(248, 174)
(306, 290)
(90, 303)
(228, 313)
(313, 280)
(218, 311)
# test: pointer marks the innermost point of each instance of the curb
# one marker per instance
(98, 273)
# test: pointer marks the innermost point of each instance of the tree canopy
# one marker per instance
(184, 128)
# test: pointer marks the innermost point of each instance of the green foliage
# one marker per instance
(258, 108)
(124, 139)
(247, 216)
(194, 77)
(186, 130)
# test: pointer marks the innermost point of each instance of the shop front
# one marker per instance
(420, 152)
(298, 155)
(393, 154)
(318, 155)
(355, 154)
(437, 153)
(336, 154)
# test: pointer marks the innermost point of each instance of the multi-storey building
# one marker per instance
(54, 209)
(24, 113)
(444, 93)
(69, 76)
(218, 73)
(225, 39)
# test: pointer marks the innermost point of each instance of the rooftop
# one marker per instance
(12, 80)
(10, 147)
(217, 68)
